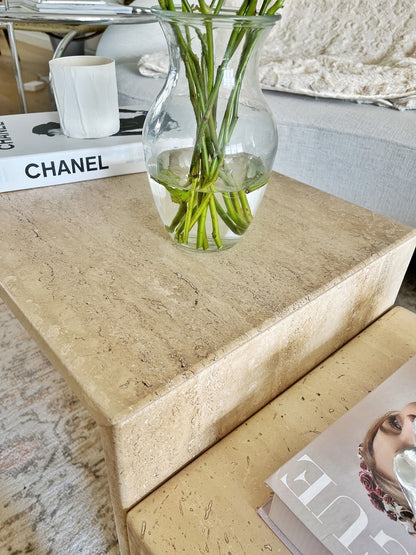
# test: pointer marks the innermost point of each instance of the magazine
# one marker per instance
(35, 153)
(339, 494)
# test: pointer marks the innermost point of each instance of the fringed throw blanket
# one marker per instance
(362, 50)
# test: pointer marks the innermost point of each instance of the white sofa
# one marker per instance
(364, 153)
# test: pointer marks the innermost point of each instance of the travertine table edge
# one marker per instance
(210, 505)
(372, 284)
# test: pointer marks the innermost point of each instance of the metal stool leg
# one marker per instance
(16, 67)
(60, 49)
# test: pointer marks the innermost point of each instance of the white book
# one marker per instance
(35, 153)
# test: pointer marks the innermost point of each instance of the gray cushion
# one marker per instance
(360, 152)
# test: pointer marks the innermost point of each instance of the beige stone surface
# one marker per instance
(210, 506)
(170, 350)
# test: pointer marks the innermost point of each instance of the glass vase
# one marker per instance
(210, 138)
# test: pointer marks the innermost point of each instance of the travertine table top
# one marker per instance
(127, 316)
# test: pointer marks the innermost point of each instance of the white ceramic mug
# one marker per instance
(85, 90)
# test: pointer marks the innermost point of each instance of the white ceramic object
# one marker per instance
(85, 90)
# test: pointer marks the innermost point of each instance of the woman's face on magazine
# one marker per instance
(394, 434)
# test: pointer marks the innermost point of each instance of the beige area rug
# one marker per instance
(54, 497)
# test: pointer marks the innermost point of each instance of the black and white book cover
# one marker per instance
(35, 153)
(340, 494)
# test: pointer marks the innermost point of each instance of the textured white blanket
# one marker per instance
(363, 50)
(354, 49)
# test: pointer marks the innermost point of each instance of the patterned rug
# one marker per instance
(54, 498)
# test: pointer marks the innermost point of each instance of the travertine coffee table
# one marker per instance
(210, 506)
(168, 350)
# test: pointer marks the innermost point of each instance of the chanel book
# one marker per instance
(35, 153)
(340, 494)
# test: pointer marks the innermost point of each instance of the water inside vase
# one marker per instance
(236, 196)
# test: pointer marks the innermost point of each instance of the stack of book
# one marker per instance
(78, 6)
(34, 152)
(339, 495)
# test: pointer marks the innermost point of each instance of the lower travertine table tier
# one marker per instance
(210, 506)
(171, 350)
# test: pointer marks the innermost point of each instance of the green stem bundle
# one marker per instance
(197, 201)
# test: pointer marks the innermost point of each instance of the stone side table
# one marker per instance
(168, 350)
(210, 506)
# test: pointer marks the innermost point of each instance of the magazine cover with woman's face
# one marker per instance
(344, 486)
